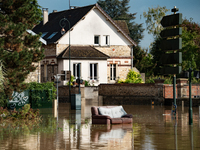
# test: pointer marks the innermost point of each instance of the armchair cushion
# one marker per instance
(118, 112)
(105, 111)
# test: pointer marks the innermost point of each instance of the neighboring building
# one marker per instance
(102, 46)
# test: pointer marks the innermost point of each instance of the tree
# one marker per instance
(144, 61)
(2, 74)
(153, 18)
(119, 10)
(19, 49)
(190, 50)
(190, 39)
(191, 44)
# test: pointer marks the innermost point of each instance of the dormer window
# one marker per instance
(96, 39)
(43, 34)
(52, 35)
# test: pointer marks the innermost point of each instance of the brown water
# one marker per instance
(153, 128)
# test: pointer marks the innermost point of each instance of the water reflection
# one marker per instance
(152, 128)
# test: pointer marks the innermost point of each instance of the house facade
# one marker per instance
(89, 37)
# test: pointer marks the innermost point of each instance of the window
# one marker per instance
(76, 71)
(96, 39)
(106, 40)
(93, 71)
(43, 34)
(52, 35)
(112, 71)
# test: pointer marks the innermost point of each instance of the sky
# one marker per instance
(188, 8)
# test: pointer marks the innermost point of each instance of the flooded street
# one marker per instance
(153, 128)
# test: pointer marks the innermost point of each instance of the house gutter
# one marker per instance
(132, 58)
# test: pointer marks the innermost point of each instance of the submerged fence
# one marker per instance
(36, 98)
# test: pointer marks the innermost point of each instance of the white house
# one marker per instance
(102, 46)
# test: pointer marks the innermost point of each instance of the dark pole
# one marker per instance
(174, 10)
(62, 24)
(79, 78)
(190, 98)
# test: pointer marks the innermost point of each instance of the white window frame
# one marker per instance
(106, 40)
(75, 72)
(92, 75)
(98, 43)
(113, 73)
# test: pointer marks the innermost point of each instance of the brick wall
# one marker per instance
(127, 94)
(131, 93)
(168, 91)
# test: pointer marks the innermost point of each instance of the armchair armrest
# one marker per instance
(127, 116)
(101, 117)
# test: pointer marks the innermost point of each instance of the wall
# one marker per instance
(34, 76)
(126, 94)
(63, 93)
(94, 23)
(85, 66)
(91, 92)
(145, 94)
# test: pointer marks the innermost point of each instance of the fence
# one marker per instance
(37, 99)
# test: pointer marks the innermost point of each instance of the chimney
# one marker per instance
(45, 15)
(54, 11)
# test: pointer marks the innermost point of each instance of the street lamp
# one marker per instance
(63, 24)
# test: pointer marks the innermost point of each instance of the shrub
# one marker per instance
(132, 77)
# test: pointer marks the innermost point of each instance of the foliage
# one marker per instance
(190, 40)
(168, 80)
(72, 80)
(153, 18)
(132, 77)
(87, 83)
(21, 127)
(144, 62)
(25, 113)
(195, 81)
(18, 48)
(119, 10)
(2, 74)
(190, 50)
(156, 53)
(36, 88)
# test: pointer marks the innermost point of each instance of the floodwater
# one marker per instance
(153, 128)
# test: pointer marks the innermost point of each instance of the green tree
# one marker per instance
(119, 10)
(190, 50)
(144, 61)
(153, 17)
(19, 49)
(191, 43)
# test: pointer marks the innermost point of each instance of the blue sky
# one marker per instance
(189, 9)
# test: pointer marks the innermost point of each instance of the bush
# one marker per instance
(36, 89)
(132, 77)
(168, 80)
(49, 86)
(87, 83)
(25, 113)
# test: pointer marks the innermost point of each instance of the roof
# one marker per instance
(53, 24)
(53, 28)
(123, 25)
(41, 39)
(83, 52)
